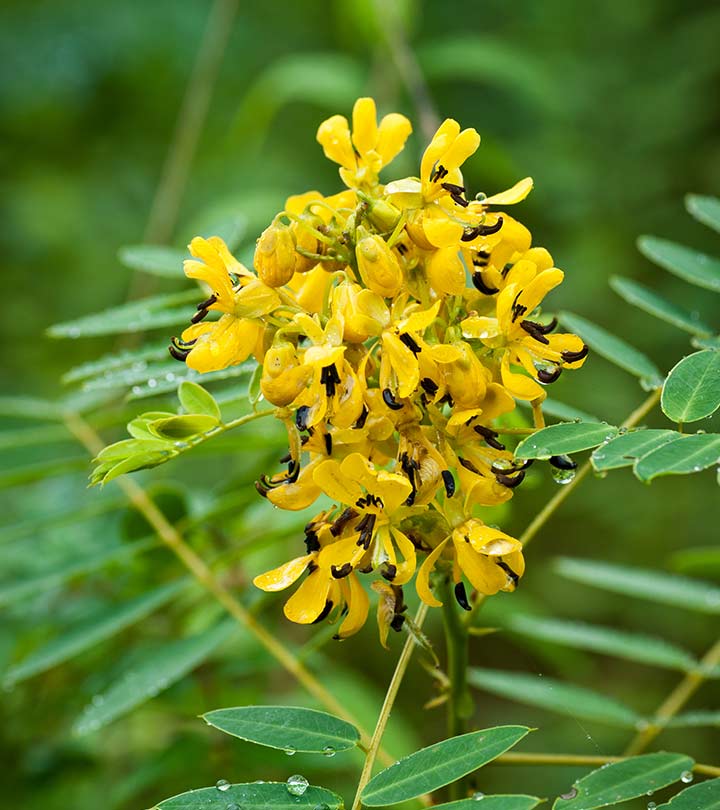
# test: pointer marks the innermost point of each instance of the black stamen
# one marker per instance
(449, 482)
(198, 316)
(389, 572)
(508, 481)
(328, 443)
(461, 596)
(573, 357)
(533, 330)
(342, 521)
(480, 285)
(397, 623)
(362, 418)
(390, 400)
(547, 327)
(260, 489)
(311, 542)
(207, 303)
(285, 458)
(301, 417)
(481, 230)
(410, 343)
(506, 568)
(429, 386)
(490, 436)
(177, 354)
(563, 462)
(329, 377)
(545, 376)
(518, 310)
(469, 466)
(456, 193)
(325, 612)
(341, 572)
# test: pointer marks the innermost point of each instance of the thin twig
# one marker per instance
(675, 701)
(388, 703)
(581, 759)
(202, 573)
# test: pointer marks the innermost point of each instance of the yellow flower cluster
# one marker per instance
(394, 324)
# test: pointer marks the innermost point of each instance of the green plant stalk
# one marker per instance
(460, 703)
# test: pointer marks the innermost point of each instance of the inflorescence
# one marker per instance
(395, 325)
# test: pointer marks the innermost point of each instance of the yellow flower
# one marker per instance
(523, 342)
(378, 267)
(364, 313)
(491, 560)
(242, 299)
(363, 153)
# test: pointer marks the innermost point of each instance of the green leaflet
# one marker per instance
(253, 796)
(137, 316)
(649, 301)
(553, 695)
(152, 671)
(93, 630)
(692, 388)
(656, 586)
(624, 450)
(624, 780)
(633, 647)
(500, 802)
(196, 399)
(687, 454)
(684, 262)
(289, 728)
(704, 209)
(440, 764)
(614, 349)
(157, 260)
(703, 796)
(565, 437)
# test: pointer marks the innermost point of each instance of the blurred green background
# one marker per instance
(611, 107)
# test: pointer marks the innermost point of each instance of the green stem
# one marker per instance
(460, 702)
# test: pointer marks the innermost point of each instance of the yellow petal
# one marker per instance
(229, 342)
(299, 494)
(406, 569)
(520, 386)
(480, 327)
(334, 137)
(484, 575)
(446, 272)
(358, 604)
(392, 134)
(445, 135)
(460, 150)
(284, 575)
(402, 361)
(364, 121)
(335, 484)
(308, 601)
(439, 229)
(511, 195)
(394, 490)
(422, 581)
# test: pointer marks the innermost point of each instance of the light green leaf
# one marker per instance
(702, 560)
(31, 437)
(692, 388)
(440, 764)
(30, 408)
(625, 780)
(700, 719)
(608, 640)
(137, 316)
(703, 796)
(704, 209)
(182, 427)
(106, 471)
(553, 695)
(136, 359)
(288, 728)
(498, 802)
(167, 370)
(18, 589)
(687, 454)
(253, 796)
(563, 438)
(625, 449)
(91, 631)
(15, 476)
(157, 260)
(684, 262)
(162, 383)
(614, 349)
(656, 586)
(195, 399)
(649, 301)
(559, 410)
(153, 671)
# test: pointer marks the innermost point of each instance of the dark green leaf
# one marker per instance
(565, 437)
(440, 764)
(684, 262)
(703, 796)
(564, 698)
(91, 631)
(704, 209)
(687, 454)
(255, 796)
(157, 260)
(137, 316)
(182, 427)
(625, 449)
(159, 667)
(703, 561)
(625, 780)
(656, 586)
(195, 399)
(633, 647)
(649, 301)
(614, 349)
(288, 728)
(692, 388)
(499, 802)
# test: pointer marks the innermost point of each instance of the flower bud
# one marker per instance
(283, 378)
(275, 255)
(305, 239)
(383, 214)
(377, 264)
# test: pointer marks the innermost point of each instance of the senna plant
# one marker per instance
(391, 349)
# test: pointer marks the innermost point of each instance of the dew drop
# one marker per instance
(686, 777)
(571, 794)
(562, 477)
(222, 785)
(297, 785)
(170, 377)
(136, 389)
(651, 806)
(321, 807)
(152, 383)
(233, 806)
(478, 795)
(290, 751)
(98, 700)
(329, 751)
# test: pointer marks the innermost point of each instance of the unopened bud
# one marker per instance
(275, 255)
(377, 264)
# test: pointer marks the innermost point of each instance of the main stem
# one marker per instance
(460, 703)
(384, 716)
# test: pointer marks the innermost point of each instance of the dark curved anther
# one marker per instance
(397, 622)
(301, 416)
(342, 521)
(260, 489)
(389, 572)
(481, 230)
(329, 377)
(325, 611)
(449, 482)
(461, 596)
(532, 329)
(176, 354)
(410, 343)
(456, 193)
(563, 462)
(360, 423)
(311, 542)
(390, 400)
(506, 568)
(547, 377)
(480, 285)
(573, 357)
(328, 443)
(510, 481)
(340, 572)
(429, 386)
(490, 436)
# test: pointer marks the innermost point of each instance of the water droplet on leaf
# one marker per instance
(562, 477)
(297, 785)
(686, 777)
(329, 751)
(571, 794)
(478, 795)
(290, 751)
(222, 785)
